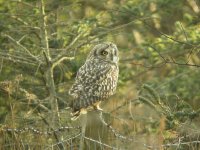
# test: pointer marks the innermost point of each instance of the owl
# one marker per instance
(96, 80)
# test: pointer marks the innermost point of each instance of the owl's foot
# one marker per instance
(97, 107)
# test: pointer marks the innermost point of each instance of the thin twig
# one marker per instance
(21, 46)
(71, 138)
(24, 3)
(15, 57)
(116, 134)
(125, 103)
(20, 20)
(1, 65)
(166, 61)
(165, 35)
(17, 61)
(103, 144)
(59, 58)
(172, 144)
(186, 38)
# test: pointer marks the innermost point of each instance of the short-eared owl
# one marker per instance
(96, 80)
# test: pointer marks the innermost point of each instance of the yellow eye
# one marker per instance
(104, 53)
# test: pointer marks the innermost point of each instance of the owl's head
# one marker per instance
(106, 52)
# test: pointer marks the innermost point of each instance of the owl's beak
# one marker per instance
(115, 59)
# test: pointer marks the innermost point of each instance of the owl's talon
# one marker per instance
(97, 108)
(100, 109)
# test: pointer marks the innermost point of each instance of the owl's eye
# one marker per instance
(104, 53)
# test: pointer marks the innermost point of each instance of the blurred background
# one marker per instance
(43, 44)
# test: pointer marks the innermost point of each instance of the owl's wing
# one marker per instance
(87, 76)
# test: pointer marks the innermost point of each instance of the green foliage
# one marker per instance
(177, 113)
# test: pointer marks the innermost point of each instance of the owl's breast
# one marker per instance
(108, 85)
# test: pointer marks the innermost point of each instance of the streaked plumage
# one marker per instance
(96, 80)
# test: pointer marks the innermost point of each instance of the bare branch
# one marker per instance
(59, 58)
(186, 38)
(100, 143)
(177, 144)
(183, 64)
(49, 79)
(21, 46)
(1, 65)
(71, 138)
(62, 59)
(45, 34)
(165, 35)
(34, 98)
(116, 134)
(24, 3)
(20, 20)
(16, 58)
(166, 61)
